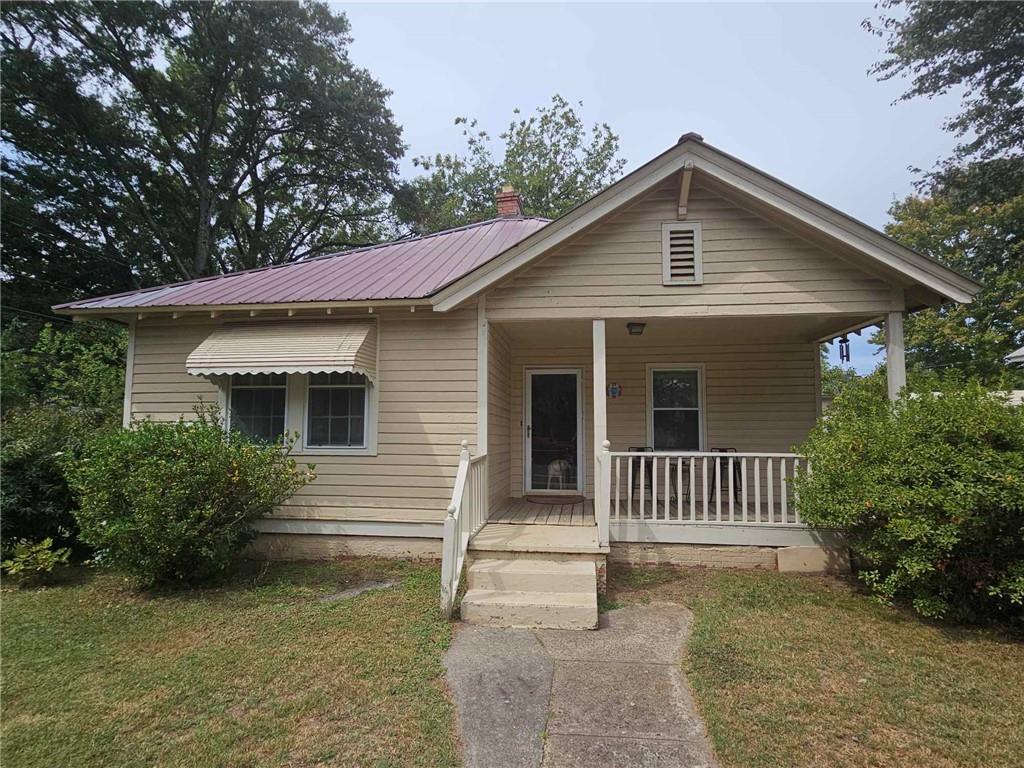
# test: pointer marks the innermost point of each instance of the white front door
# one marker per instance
(553, 431)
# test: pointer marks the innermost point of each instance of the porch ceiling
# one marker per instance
(665, 331)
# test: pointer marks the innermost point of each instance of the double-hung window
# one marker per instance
(675, 408)
(257, 405)
(336, 410)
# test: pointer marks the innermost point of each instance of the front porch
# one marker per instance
(665, 431)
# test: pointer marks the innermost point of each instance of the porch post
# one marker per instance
(895, 361)
(482, 375)
(602, 475)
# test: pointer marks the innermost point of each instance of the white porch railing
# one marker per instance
(467, 514)
(700, 487)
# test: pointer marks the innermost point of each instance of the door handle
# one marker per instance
(529, 430)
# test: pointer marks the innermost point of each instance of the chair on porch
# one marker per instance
(737, 478)
(648, 472)
(637, 461)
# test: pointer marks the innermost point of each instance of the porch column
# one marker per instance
(482, 375)
(602, 473)
(895, 361)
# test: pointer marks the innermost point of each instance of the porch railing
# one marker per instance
(702, 487)
(467, 514)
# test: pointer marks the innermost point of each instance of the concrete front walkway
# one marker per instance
(613, 697)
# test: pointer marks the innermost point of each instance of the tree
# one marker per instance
(550, 158)
(152, 142)
(972, 220)
(969, 213)
(975, 46)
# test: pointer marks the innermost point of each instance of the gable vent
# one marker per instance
(681, 253)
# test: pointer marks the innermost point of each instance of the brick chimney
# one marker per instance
(509, 202)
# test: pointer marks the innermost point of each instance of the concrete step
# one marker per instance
(530, 610)
(500, 574)
(547, 539)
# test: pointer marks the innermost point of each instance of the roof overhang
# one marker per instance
(914, 267)
(295, 347)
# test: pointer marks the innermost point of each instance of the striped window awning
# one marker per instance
(287, 347)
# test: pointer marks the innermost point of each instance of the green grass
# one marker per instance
(259, 672)
(798, 671)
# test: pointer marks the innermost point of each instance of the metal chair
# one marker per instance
(636, 461)
(737, 479)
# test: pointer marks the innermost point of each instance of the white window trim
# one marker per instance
(229, 387)
(698, 252)
(701, 404)
(369, 448)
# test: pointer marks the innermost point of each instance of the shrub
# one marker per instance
(36, 502)
(930, 492)
(34, 563)
(175, 502)
(80, 365)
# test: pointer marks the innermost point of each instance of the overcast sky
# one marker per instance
(783, 87)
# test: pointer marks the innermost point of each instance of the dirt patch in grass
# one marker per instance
(256, 672)
(796, 671)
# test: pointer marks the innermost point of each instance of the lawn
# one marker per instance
(798, 671)
(257, 672)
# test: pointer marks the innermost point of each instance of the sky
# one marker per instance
(782, 86)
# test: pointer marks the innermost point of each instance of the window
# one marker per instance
(257, 405)
(336, 410)
(681, 257)
(675, 409)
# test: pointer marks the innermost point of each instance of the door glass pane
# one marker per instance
(553, 412)
(676, 431)
(675, 389)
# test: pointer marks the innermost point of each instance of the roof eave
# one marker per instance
(166, 309)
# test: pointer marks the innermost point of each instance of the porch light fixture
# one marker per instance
(636, 329)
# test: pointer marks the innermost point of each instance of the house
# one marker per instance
(533, 396)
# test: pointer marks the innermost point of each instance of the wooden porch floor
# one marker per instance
(546, 510)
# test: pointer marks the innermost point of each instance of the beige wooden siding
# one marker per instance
(427, 405)
(751, 266)
(757, 397)
(161, 390)
(498, 415)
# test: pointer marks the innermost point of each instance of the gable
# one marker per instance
(927, 280)
(750, 264)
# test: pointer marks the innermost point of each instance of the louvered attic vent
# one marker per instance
(681, 253)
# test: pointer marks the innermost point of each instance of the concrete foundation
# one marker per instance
(312, 546)
(694, 555)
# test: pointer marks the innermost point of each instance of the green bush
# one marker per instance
(77, 366)
(175, 502)
(930, 492)
(34, 563)
(35, 500)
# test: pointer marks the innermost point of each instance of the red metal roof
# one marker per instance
(401, 269)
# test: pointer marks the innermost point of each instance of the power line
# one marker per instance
(18, 310)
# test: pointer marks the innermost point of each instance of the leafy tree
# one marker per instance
(61, 387)
(970, 211)
(79, 365)
(550, 158)
(152, 142)
(975, 46)
(972, 221)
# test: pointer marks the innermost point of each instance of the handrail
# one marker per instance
(674, 487)
(467, 514)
